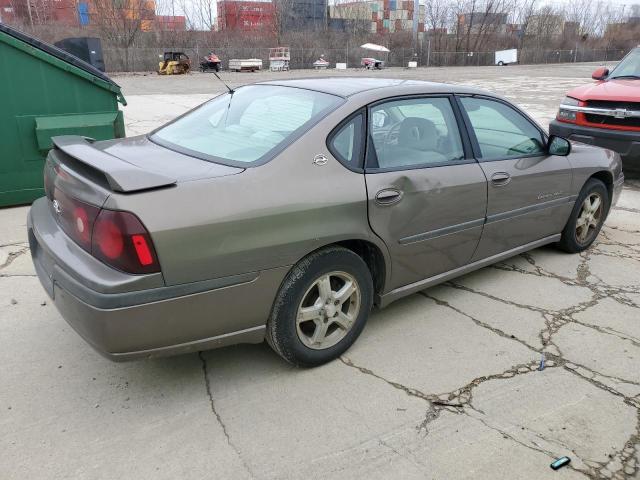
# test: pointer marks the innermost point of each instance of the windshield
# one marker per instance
(629, 66)
(248, 126)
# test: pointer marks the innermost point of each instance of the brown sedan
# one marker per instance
(287, 209)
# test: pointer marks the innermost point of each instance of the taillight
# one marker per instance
(76, 218)
(114, 237)
(119, 239)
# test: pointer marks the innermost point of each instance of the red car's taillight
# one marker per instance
(119, 239)
(114, 237)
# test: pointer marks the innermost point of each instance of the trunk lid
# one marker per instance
(90, 171)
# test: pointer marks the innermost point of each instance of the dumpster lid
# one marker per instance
(60, 54)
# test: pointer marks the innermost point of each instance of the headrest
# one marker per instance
(418, 133)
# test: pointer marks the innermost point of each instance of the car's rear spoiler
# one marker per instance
(121, 175)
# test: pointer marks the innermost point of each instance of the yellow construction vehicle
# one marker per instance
(174, 63)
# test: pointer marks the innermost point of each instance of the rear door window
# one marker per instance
(415, 131)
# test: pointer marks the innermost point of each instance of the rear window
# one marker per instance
(250, 126)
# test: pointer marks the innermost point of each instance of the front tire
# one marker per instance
(321, 308)
(587, 217)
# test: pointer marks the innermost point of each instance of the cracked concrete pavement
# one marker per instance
(443, 384)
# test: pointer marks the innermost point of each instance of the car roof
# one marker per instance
(348, 86)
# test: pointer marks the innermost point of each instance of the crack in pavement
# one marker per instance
(627, 209)
(212, 405)
(535, 447)
(624, 462)
(464, 398)
(12, 256)
(625, 458)
(452, 401)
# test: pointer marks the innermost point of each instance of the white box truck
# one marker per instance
(506, 57)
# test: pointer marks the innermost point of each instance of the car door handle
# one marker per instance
(388, 196)
(500, 179)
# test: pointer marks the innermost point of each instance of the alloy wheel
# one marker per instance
(328, 310)
(589, 219)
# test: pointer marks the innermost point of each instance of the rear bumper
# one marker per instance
(626, 143)
(127, 323)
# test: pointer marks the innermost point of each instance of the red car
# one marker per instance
(607, 113)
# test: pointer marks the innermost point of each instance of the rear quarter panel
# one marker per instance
(266, 217)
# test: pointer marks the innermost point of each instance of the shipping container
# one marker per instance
(245, 15)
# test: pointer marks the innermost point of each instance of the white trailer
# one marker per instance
(245, 64)
(506, 57)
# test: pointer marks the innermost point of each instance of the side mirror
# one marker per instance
(558, 146)
(600, 73)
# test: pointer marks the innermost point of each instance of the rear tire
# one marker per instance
(321, 308)
(587, 217)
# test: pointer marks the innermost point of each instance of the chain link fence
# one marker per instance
(138, 59)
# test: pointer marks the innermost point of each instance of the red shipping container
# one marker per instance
(398, 25)
(421, 27)
(386, 15)
(241, 15)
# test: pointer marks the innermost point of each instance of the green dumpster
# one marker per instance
(46, 92)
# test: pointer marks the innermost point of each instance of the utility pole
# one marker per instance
(416, 20)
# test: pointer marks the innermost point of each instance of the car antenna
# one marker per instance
(231, 90)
